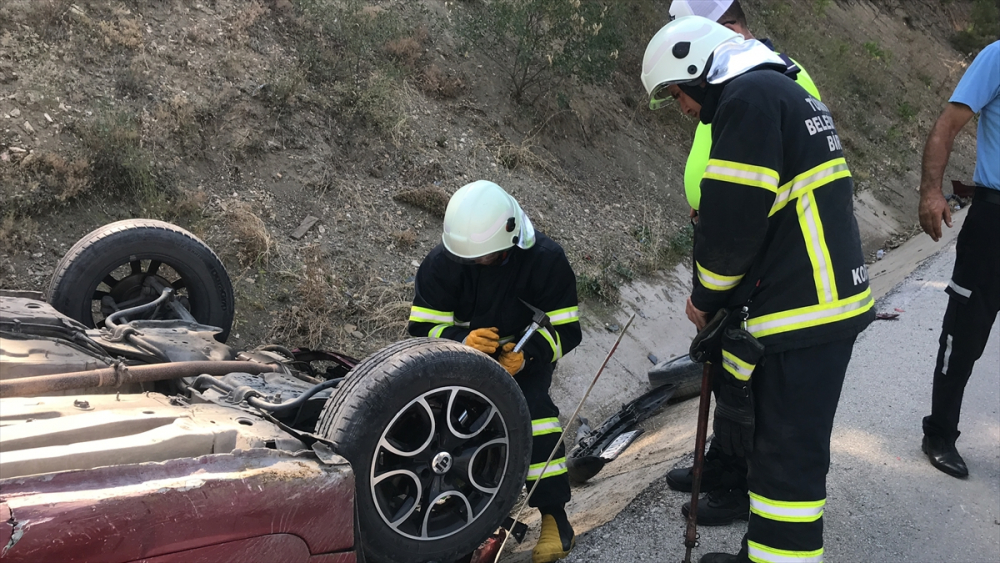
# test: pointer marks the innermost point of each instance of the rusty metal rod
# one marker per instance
(691, 534)
(116, 376)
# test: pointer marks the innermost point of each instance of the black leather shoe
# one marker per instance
(718, 558)
(944, 456)
(721, 507)
(682, 478)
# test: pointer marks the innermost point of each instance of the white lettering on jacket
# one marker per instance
(860, 275)
(822, 123)
(819, 124)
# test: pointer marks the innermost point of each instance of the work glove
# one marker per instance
(734, 416)
(486, 340)
(511, 361)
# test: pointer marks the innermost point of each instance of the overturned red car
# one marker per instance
(129, 430)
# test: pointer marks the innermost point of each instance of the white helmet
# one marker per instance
(711, 9)
(481, 219)
(681, 52)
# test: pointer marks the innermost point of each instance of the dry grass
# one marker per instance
(347, 293)
(37, 181)
(408, 50)
(431, 199)
(254, 243)
(524, 154)
(16, 233)
(405, 239)
(72, 177)
(440, 83)
(122, 30)
(243, 20)
(180, 206)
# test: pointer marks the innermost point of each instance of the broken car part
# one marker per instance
(598, 447)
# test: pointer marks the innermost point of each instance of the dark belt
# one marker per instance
(987, 195)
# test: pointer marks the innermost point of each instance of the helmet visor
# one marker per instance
(661, 94)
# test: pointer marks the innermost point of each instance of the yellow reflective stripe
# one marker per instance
(743, 174)
(760, 553)
(543, 426)
(740, 369)
(555, 343)
(423, 315)
(819, 253)
(437, 330)
(810, 180)
(556, 467)
(507, 339)
(814, 315)
(716, 282)
(463, 324)
(786, 511)
(564, 316)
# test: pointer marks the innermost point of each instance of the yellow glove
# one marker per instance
(511, 361)
(485, 340)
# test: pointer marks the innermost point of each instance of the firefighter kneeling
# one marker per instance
(470, 289)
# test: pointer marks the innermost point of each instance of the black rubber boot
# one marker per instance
(720, 508)
(720, 472)
(682, 478)
(716, 557)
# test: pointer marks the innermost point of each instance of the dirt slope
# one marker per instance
(239, 118)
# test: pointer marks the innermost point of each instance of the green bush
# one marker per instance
(983, 29)
(538, 44)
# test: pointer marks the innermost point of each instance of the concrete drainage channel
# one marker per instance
(661, 328)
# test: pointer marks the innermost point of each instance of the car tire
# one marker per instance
(140, 248)
(388, 419)
(679, 371)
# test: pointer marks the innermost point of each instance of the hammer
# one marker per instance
(538, 320)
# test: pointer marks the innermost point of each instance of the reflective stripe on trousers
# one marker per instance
(556, 467)
(762, 554)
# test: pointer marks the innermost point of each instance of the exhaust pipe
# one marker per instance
(121, 374)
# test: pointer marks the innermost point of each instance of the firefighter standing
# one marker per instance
(776, 235)
(724, 476)
(469, 289)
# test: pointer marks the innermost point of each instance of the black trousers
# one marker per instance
(795, 398)
(553, 484)
(974, 299)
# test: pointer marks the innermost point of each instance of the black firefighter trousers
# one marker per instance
(795, 398)
(553, 485)
(974, 299)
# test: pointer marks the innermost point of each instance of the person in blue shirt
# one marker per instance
(974, 289)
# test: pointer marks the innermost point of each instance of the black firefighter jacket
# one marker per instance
(452, 299)
(776, 225)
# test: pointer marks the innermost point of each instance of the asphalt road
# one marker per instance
(885, 502)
